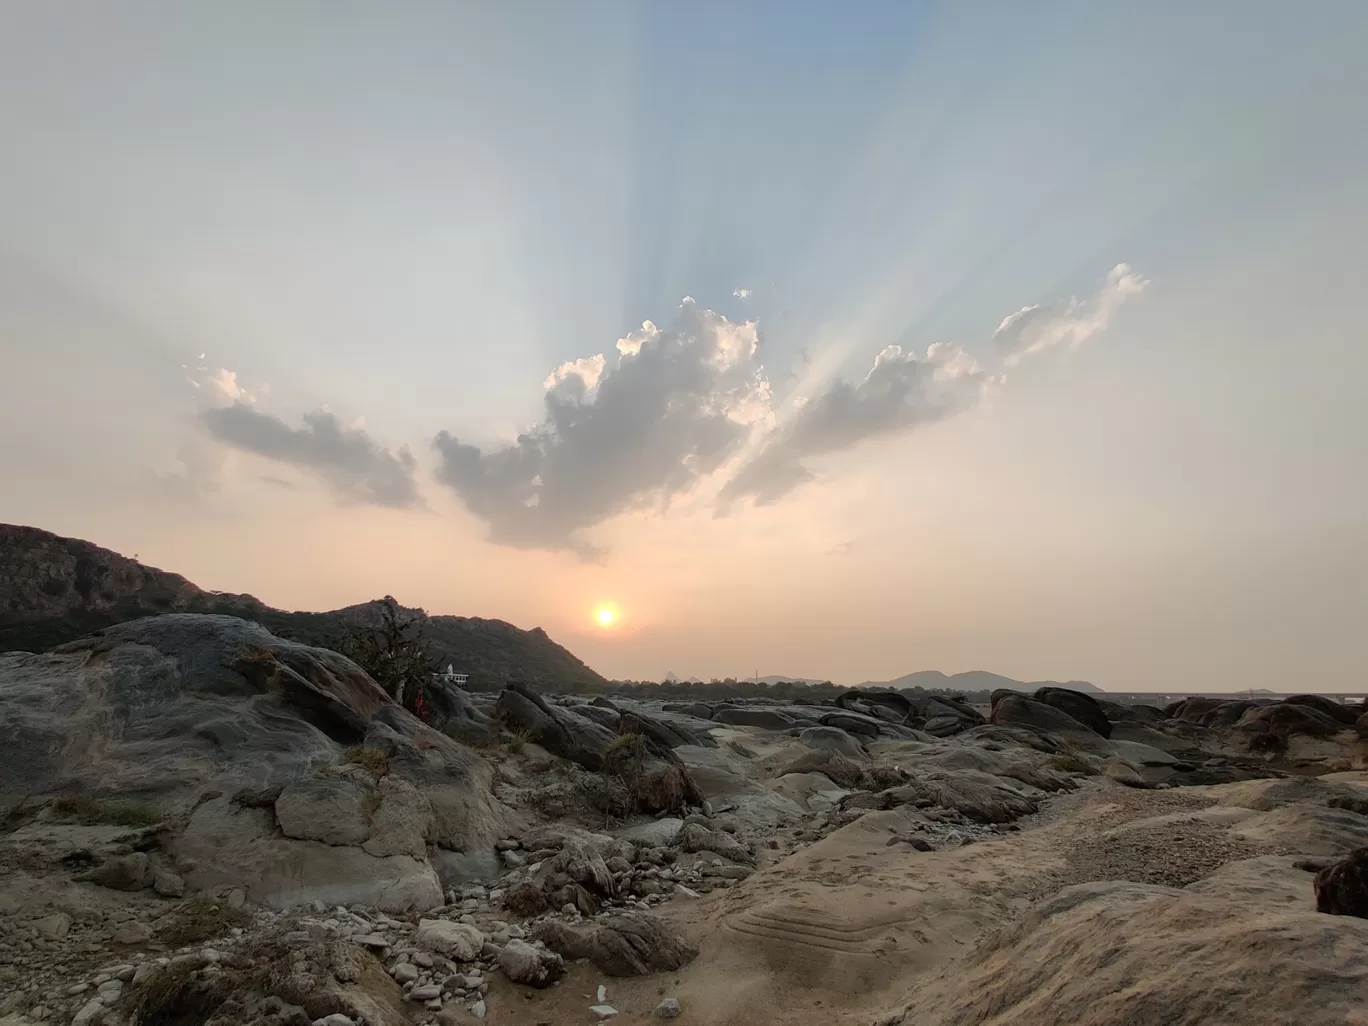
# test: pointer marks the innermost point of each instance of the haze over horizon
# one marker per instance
(947, 336)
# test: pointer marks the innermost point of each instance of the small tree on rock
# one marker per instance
(396, 655)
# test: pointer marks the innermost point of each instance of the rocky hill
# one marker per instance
(54, 590)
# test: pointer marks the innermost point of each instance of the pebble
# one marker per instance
(478, 1009)
(336, 1019)
(110, 991)
(667, 1009)
(426, 993)
(603, 1011)
(405, 973)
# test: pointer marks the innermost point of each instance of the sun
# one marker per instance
(605, 616)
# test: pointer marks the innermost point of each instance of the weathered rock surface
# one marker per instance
(523, 963)
(1342, 887)
(631, 944)
(1097, 954)
(458, 941)
(198, 708)
(1081, 707)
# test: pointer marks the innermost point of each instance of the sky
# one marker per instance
(808, 339)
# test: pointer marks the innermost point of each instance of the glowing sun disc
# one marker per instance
(605, 616)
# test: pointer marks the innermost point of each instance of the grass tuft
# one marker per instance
(371, 758)
(119, 811)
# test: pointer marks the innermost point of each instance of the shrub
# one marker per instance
(119, 811)
(372, 758)
(199, 919)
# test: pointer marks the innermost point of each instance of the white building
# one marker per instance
(452, 677)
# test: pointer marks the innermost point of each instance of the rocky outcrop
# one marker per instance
(1020, 711)
(198, 709)
(1097, 954)
(1344, 714)
(1081, 707)
(1287, 718)
(630, 944)
(753, 716)
(1342, 887)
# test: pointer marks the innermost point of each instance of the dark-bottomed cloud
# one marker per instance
(345, 457)
(675, 406)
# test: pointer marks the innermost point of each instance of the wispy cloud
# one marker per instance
(1033, 329)
(901, 391)
(904, 390)
(344, 456)
(742, 293)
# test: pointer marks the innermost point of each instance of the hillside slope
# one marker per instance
(54, 590)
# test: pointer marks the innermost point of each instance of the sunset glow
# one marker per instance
(605, 616)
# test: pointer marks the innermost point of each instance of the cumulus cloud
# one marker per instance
(742, 293)
(342, 455)
(901, 391)
(1033, 329)
(673, 407)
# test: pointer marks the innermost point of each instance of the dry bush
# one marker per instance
(199, 919)
(118, 811)
(370, 757)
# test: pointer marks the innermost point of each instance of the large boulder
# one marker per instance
(975, 794)
(1081, 707)
(334, 810)
(191, 710)
(628, 944)
(1287, 718)
(1342, 887)
(752, 716)
(1346, 715)
(562, 732)
(833, 739)
(1020, 711)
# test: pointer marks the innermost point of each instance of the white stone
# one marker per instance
(425, 993)
(405, 973)
(602, 995)
(478, 1009)
(603, 1011)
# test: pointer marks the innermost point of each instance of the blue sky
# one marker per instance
(413, 214)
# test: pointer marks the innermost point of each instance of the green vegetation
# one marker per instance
(89, 811)
(519, 742)
(373, 759)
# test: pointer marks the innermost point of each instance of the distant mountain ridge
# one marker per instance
(54, 590)
(975, 680)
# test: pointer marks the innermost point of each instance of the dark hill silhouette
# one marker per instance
(54, 590)
(975, 680)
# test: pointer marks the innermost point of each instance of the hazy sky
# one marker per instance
(821, 339)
